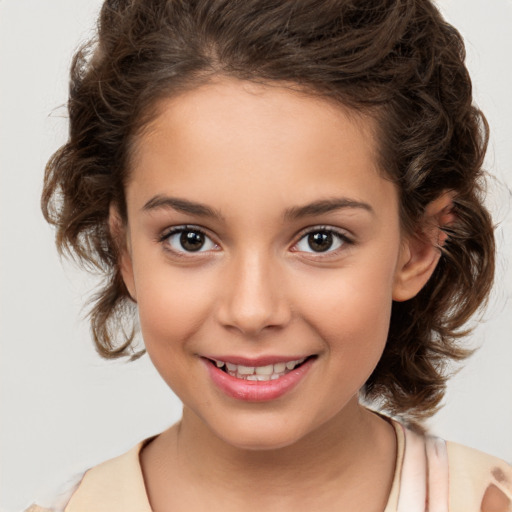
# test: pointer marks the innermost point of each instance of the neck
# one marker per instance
(342, 435)
(328, 462)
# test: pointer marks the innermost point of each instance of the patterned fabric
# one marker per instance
(431, 475)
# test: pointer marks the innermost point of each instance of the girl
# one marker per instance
(287, 196)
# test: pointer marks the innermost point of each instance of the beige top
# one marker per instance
(431, 475)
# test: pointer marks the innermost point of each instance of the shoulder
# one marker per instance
(478, 478)
(113, 486)
(37, 508)
(449, 476)
(55, 498)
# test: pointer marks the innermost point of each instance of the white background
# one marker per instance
(63, 408)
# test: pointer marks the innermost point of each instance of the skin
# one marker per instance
(494, 500)
(251, 154)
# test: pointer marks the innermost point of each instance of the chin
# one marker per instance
(258, 442)
(260, 435)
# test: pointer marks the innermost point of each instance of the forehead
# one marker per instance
(261, 139)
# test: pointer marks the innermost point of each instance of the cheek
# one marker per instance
(351, 309)
(172, 306)
(360, 320)
(172, 309)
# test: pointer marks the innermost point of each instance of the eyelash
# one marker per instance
(341, 236)
(164, 238)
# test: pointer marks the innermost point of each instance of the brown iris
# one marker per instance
(320, 241)
(192, 240)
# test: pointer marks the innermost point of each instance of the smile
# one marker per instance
(261, 381)
(259, 373)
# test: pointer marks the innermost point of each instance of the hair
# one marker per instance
(396, 61)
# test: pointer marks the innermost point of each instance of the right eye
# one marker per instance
(188, 240)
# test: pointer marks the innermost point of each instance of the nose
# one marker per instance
(253, 299)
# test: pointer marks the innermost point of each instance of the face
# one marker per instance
(263, 248)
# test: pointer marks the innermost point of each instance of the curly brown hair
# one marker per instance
(396, 61)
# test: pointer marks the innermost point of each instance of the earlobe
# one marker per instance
(121, 238)
(421, 251)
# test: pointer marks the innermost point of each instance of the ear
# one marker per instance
(421, 251)
(121, 237)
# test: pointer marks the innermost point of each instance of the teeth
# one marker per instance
(265, 370)
(245, 370)
(279, 367)
(262, 378)
(259, 373)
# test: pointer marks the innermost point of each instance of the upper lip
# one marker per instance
(256, 361)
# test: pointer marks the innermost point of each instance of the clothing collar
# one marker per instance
(117, 485)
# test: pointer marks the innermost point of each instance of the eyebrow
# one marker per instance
(296, 212)
(181, 205)
(325, 206)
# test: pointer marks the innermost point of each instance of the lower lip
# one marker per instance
(257, 391)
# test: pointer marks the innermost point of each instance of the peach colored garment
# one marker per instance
(431, 475)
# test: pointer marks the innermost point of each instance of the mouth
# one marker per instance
(257, 380)
(262, 373)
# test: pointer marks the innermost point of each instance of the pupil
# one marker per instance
(320, 241)
(191, 240)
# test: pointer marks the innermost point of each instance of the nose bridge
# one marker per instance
(254, 298)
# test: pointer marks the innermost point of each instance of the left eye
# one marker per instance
(189, 240)
(320, 241)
